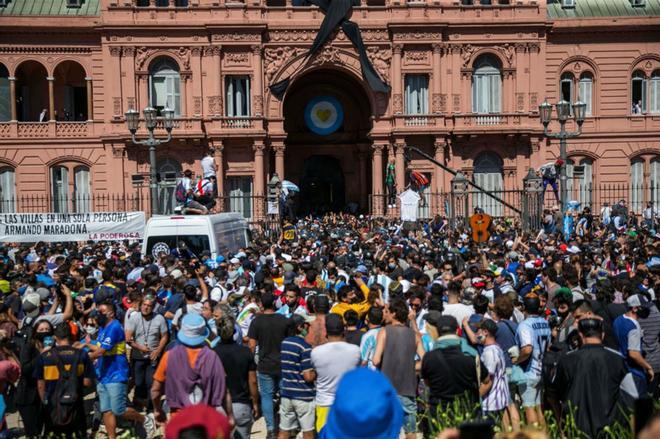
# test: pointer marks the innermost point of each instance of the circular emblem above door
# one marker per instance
(324, 115)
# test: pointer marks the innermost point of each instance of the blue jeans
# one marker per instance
(112, 397)
(269, 385)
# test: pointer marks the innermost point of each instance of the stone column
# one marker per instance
(400, 165)
(51, 97)
(90, 100)
(436, 89)
(258, 148)
(12, 97)
(257, 89)
(279, 148)
(220, 173)
(397, 99)
(362, 162)
(377, 201)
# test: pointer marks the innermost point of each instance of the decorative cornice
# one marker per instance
(40, 50)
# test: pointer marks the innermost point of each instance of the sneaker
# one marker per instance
(149, 425)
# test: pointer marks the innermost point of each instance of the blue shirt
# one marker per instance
(506, 338)
(628, 333)
(296, 359)
(112, 366)
(368, 347)
(534, 331)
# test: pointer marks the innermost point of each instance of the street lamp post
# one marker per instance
(563, 114)
(151, 120)
(459, 191)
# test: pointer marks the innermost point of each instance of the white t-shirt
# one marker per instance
(498, 397)
(409, 202)
(331, 361)
(194, 308)
(208, 166)
(458, 310)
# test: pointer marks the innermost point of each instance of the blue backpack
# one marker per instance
(180, 192)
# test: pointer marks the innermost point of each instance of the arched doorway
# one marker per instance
(70, 91)
(322, 186)
(32, 92)
(327, 117)
(489, 174)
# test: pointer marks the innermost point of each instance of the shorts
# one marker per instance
(530, 392)
(321, 417)
(192, 204)
(112, 397)
(409, 406)
(295, 414)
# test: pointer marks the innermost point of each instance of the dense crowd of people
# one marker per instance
(345, 326)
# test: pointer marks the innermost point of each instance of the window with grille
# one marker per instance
(240, 195)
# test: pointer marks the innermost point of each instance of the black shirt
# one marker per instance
(583, 381)
(354, 337)
(451, 373)
(269, 330)
(238, 362)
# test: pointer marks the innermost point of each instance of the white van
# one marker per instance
(220, 233)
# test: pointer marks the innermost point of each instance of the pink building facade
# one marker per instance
(466, 80)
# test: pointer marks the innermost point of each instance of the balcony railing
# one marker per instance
(71, 129)
(237, 122)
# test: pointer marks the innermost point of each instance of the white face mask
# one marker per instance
(91, 330)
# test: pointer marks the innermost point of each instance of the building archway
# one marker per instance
(328, 152)
(70, 91)
(31, 92)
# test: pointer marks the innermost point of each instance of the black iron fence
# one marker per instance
(256, 208)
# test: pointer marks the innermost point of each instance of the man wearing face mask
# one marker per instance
(629, 334)
(112, 372)
(146, 333)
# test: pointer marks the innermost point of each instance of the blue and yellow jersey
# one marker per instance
(47, 365)
(112, 366)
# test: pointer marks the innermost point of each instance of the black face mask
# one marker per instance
(101, 319)
(42, 335)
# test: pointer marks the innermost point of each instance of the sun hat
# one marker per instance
(366, 407)
(215, 424)
(193, 330)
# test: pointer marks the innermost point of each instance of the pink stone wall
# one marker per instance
(210, 41)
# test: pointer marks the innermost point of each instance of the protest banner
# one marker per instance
(61, 227)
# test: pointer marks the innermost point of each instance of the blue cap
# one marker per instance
(366, 407)
(193, 330)
(362, 269)
(219, 259)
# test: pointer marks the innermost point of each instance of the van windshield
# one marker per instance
(166, 243)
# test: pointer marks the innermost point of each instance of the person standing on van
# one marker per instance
(205, 193)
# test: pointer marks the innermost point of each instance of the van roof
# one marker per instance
(199, 219)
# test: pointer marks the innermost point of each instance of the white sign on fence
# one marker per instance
(59, 227)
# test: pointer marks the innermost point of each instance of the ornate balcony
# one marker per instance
(42, 130)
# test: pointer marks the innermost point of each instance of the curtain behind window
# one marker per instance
(81, 189)
(7, 190)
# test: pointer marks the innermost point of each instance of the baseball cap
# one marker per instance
(176, 273)
(638, 300)
(43, 293)
(31, 303)
(362, 269)
(334, 324)
(444, 324)
(213, 422)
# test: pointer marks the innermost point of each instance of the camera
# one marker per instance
(67, 280)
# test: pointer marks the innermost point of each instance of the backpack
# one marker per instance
(550, 362)
(180, 192)
(549, 172)
(204, 187)
(64, 401)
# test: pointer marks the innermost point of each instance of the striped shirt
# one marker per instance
(651, 330)
(368, 347)
(498, 397)
(296, 359)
